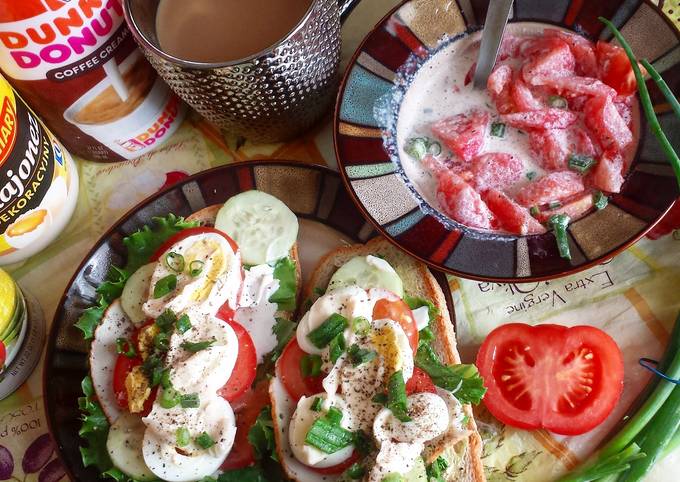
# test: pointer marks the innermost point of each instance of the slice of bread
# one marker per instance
(207, 216)
(418, 281)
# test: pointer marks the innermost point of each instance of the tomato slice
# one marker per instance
(185, 233)
(397, 310)
(243, 375)
(420, 382)
(337, 469)
(246, 408)
(566, 380)
(288, 369)
(615, 68)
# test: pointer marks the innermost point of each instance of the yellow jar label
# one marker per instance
(7, 298)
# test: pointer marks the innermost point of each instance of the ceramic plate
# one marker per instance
(328, 219)
(380, 73)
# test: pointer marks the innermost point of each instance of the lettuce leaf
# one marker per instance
(415, 302)
(140, 245)
(285, 272)
(94, 430)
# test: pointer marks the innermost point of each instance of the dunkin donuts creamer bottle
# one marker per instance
(38, 181)
(76, 64)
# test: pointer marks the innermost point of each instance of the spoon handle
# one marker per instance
(494, 26)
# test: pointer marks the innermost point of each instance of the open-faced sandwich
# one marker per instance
(178, 336)
(371, 387)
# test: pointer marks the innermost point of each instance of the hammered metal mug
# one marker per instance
(270, 96)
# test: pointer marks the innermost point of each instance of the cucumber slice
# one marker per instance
(262, 226)
(124, 445)
(367, 272)
(135, 293)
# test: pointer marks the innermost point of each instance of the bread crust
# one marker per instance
(418, 281)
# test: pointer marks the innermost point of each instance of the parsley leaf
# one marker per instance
(140, 247)
(284, 330)
(462, 380)
(261, 435)
(285, 272)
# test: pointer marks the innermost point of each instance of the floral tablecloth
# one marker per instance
(634, 297)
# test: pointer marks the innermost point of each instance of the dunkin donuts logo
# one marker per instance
(67, 40)
(8, 130)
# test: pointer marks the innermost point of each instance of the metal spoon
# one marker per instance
(494, 26)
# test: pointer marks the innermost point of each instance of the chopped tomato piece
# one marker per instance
(582, 143)
(551, 118)
(511, 216)
(625, 110)
(550, 147)
(574, 209)
(607, 174)
(461, 202)
(420, 382)
(566, 380)
(550, 57)
(499, 80)
(582, 48)
(509, 46)
(615, 69)
(610, 129)
(496, 170)
(573, 86)
(553, 187)
(523, 98)
(463, 133)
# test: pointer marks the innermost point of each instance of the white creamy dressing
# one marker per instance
(351, 388)
(422, 317)
(256, 313)
(438, 91)
(217, 283)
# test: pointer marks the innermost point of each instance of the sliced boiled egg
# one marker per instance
(429, 419)
(208, 275)
(391, 343)
(302, 420)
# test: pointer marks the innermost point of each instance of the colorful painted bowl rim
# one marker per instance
(447, 222)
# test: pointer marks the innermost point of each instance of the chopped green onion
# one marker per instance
(190, 401)
(328, 437)
(316, 404)
(534, 211)
(337, 347)
(600, 201)
(166, 320)
(557, 102)
(164, 286)
(580, 163)
(396, 397)
(169, 398)
(416, 148)
(322, 335)
(393, 477)
(196, 347)
(356, 471)
(554, 205)
(310, 365)
(361, 325)
(183, 324)
(161, 341)
(560, 222)
(434, 148)
(182, 437)
(359, 356)
(174, 261)
(498, 129)
(165, 379)
(124, 347)
(196, 267)
(334, 415)
(205, 441)
(531, 175)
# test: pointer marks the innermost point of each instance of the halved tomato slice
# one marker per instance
(185, 233)
(243, 374)
(288, 369)
(566, 380)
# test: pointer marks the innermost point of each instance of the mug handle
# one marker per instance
(346, 7)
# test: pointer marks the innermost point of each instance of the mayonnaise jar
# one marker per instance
(38, 181)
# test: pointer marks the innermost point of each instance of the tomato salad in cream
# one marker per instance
(554, 133)
(174, 358)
